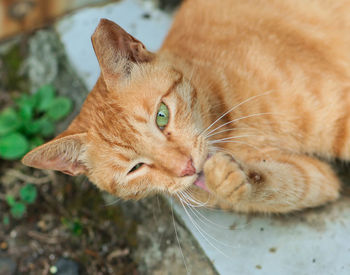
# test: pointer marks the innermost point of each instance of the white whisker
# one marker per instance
(187, 196)
(234, 137)
(185, 200)
(213, 224)
(227, 130)
(202, 232)
(240, 142)
(177, 237)
(235, 107)
(113, 202)
(238, 119)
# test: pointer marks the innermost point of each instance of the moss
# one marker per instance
(80, 197)
(11, 63)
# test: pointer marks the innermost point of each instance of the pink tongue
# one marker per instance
(200, 182)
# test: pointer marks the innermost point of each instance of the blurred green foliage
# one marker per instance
(18, 207)
(25, 125)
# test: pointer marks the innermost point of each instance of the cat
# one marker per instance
(239, 109)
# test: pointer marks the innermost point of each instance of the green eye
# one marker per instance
(137, 166)
(162, 116)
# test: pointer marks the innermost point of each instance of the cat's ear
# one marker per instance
(62, 154)
(117, 51)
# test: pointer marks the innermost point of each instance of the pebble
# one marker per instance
(3, 245)
(7, 266)
(66, 267)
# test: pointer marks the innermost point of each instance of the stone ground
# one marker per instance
(71, 226)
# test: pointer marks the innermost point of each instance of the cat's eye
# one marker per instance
(162, 116)
(137, 166)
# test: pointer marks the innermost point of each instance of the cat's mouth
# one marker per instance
(200, 181)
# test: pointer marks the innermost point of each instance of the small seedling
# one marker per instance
(74, 226)
(25, 125)
(27, 194)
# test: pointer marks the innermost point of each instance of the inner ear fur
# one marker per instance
(63, 154)
(116, 50)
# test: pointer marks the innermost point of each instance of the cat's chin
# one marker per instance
(200, 181)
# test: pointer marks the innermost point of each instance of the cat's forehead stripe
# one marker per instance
(114, 142)
(175, 83)
(140, 119)
(123, 157)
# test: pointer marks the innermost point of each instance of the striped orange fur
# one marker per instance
(277, 73)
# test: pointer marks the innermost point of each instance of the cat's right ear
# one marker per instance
(117, 51)
(65, 154)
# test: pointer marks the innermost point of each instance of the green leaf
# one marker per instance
(26, 99)
(10, 200)
(77, 228)
(32, 127)
(28, 193)
(9, 121)
(26, 111)
(18, 209)
(45, 96)
(13, 146)
(35, 142)
(59, 108)
(47, 127)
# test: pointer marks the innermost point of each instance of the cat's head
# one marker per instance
(138, 131)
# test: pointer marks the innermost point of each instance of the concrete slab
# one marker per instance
(139, 18)
(313, 242)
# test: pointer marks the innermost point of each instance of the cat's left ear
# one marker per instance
(117, 51)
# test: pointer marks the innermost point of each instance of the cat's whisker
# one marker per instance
(227, 130)
(113, 202)
(184, 192)
(191, 75)
(203, 233)
(235, 107)
(222, 150)
(204, 205)
(185, 200)
(213, 224)
(179, 195)
(229, 138)
(240, 118)
(240, 142)
(177, 237)
(195, 213)
(198, 203)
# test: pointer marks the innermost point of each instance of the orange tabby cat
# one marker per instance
(249, 93)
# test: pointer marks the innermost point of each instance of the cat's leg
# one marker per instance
(273, 183)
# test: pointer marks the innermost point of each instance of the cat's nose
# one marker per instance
(189, 169)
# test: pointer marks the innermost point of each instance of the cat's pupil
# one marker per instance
(161, 114)
(137, 166)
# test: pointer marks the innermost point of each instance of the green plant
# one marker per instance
(27, 195)
(25, 125)
(73, 225)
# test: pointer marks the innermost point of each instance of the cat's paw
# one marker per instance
(225, 178)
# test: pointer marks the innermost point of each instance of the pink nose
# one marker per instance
(189, 169)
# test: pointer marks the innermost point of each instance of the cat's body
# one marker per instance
(278, 70)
